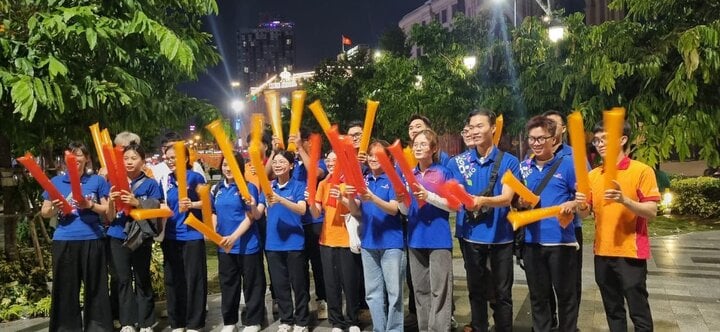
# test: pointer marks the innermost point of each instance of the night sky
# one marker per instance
(318, 27)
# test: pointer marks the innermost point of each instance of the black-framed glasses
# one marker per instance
(538, 140)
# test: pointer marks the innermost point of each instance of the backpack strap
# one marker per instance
(546, 179)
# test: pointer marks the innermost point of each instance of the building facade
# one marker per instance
(265, 51)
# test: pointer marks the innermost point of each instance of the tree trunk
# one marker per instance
(11, 204)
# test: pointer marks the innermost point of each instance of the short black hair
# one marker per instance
(542, 121)
(171, 136)
(289, 156)
(133, 146)
(553, 112)
(420, 117)
(354, 123)
(599, 128)
(484, 112)
(79, 146)
(266, 139)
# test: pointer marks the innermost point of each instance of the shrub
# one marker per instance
(698, 196)
(23, 287)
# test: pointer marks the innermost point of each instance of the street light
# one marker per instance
(283, 100)
(235, 84)
(556, 30)
(470, 61)
(237, 105)
(377, 55)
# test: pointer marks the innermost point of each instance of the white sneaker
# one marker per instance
(284, 328)
(322, 310)
(146, 329)
(337, 329)
(191, 330)
(354, 328)
(128, 328)
(179, 329)
(252, 328)
(228, 328)
(300, 328)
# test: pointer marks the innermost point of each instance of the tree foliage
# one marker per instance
(662, 62)
(67, 64)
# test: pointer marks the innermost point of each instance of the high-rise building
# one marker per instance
(265, 51)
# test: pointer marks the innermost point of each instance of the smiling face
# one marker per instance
(133, 161)
(330, 161)
(423, 147)
(541, 143)
(415, 127)
(225, 167)
(280, 165)
(356, 134)
(600, 142)
(170, 158)
(480, 130)
(467, 138)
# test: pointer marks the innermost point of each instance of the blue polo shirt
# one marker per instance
(380, 230)
(444, 158)
(80, 224)
(148, 189)
(299, 173)
(175, 228)
(560, 189)
(428, 226)
(284, 228)
(231, 211)
(473, 172)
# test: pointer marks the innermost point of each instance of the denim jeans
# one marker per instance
(384, 271)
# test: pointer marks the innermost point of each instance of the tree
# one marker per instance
(393, 41)
(69, 63)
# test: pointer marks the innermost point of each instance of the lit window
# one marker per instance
(288, 41)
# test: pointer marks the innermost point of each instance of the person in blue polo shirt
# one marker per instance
(550, 250)
(78, 252)
(132, 267)
(285, 242)
(185, 265)
(429, 238)
(419, 123)
(243, 265)
(484, 233)
(312, 225)
(382, 242)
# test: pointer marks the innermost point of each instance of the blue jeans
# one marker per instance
(384, 271)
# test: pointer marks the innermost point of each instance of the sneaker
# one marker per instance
(252, 328)
(284, 328)
(146, 329)
(128, 328)
(300, 328)
(337, 329)
(179, 329)
(322, 310)
(354, 328)
(191, 330)
(228, 328)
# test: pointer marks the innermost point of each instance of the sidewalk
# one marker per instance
(683, 282)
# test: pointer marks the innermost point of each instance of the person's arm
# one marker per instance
(230, 240)
(646, 209)
(430, 197)
(583, 207)
(297, 208)
(390, 207)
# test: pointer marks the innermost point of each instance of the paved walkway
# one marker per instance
(683, 282)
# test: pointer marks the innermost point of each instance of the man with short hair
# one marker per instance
(484, 233)
(622, 246)
(416, 125)
(550, 250)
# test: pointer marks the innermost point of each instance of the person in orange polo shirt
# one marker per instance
(340, 272)
(622, 246)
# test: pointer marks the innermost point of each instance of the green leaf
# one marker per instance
(56, 67)
(23, 97)
(91, 37)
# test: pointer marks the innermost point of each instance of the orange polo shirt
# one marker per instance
(618, 231)
(334, 233)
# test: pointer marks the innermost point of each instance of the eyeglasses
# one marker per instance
(598, 141)
(355, 135)
(421, 145)
(538, 140)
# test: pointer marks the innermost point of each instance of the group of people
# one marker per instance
(363, 244)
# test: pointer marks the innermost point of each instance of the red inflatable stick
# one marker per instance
(395, 181)
(397, 153)
(74, 175)
(29, 162)
(312, 169)
(457, 190)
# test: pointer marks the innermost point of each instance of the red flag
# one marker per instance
(346, 40)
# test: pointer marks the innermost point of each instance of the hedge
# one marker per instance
(698, 196)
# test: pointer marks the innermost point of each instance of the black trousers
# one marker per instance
(185, 270)
(136, 304)
(548, 267)
(341, 277)
(289, 272)
(113, 279)
(76, 262)
(489, 270)
(312, 252)
(623, 279)
(246, 272)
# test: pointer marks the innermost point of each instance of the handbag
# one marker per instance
(140, 230)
